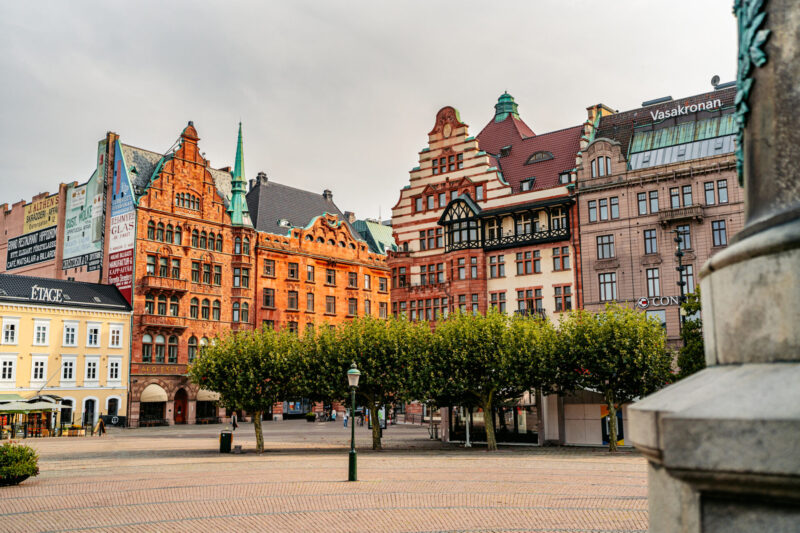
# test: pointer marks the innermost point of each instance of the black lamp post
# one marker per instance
(352, 377)
(681, 283)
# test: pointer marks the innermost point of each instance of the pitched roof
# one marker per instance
(28, 290)
(269, 202)
(379, 237)
(620, 126)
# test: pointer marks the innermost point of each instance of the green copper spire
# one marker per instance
(237, 209)
(505, 106)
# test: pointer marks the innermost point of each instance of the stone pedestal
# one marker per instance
(724, 445)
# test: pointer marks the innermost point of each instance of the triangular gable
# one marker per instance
(460, 208)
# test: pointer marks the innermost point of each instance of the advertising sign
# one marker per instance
(31, 248)
(41, 214)
(83, 227)
(122, 228)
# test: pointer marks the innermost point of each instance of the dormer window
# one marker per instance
(601, 166)
(505, 151)
(539, 156)
(563, 178)
(527, 184)
(283, 223)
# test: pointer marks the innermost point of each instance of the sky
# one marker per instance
(333, 95)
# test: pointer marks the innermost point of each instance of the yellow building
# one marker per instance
(67, 339)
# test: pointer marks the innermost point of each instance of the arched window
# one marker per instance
(539, 156)
(160, 232)
(245, 312)
(178, 235)
(219, 243)
(237, 245)
(216, 310)
(149, 303)
(151, 230)
(246, 247)
(195, 238)
(192, 348)
(320, 239)
(147, 348)
(341, 243)
(330, 241)
(169, 235)
(193, 305)
(235, 312)
(162, 304)
(160, 346)
(173, 306)
(205, 309)
(203, 239)
(309, 238)
(172, 350)
(66, 411)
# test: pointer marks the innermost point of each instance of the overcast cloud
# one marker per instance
(337, 95)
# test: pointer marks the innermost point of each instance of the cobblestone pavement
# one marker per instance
(173, 479)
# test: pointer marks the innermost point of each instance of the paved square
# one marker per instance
(173, 479)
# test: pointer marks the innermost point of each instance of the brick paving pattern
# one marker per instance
(172, 479)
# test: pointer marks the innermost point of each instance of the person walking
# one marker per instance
(344, 417)
(234, 421)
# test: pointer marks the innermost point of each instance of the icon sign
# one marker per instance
(644, 303)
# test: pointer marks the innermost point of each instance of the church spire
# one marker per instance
(237, 209)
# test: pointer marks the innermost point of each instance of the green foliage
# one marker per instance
(691, 357)
(311, 415)
(17, 463)
(620, 353)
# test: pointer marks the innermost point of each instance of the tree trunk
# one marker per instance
(488, 422)
(612, 422)
(376, 427)
(259, 431)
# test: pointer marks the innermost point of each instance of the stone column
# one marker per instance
(724, 445)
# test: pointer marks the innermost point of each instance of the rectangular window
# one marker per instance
(687, 277)
(268, 298)
(653, 283)
(38, 369)
(41, 333)
(594, 168)
(658, 314)
(592, 211)
(642, 200)
(614, 207)
(653, 202)
(603, 209)
(462, 270)
(10, 329)
(269, 268)
(383, 285)
(91, 370)
(498, 301)
(291, 301)
(206, 273)
(473, 268)
(93, 335)
(685, 233)
(429, 200)
(497, 266)
(114, 370)
(479, 192)
(442, 199)
(70, 334)
(7, 370)
(718, 233)
(367, 281)
(474, 301)
(310, 302)
(293, 271)
(217, 275)
(418, 204)
(686, 192)
(330, 276)
(722, 190)
(163, 267)
(176, 268)
(605, 246)
(151, 265)
(561, 258)
(352, 307)
(563, 297)
(674, 197)
(367, 308)
(383, 310)
(650, 241)
(292, 326)
(237, 277)
(310, 273)
(708, 187)
(195, 272)
(67, 370)
(330, 305)
(245, 277)
(352, 280)
(115, 337)
(608, 286)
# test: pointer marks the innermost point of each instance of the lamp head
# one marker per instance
(353, 375)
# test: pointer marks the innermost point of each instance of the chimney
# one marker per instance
(252, 184)
(349, 216)
(328, 195)
(262, 178)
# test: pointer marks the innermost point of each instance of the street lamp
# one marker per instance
(681, 283)
(352, 377)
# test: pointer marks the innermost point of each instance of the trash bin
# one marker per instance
(225, 440)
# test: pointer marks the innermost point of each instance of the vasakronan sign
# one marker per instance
(657, 301)
(686, 109)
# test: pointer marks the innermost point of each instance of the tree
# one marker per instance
(250, 371)
(387, 352)
(691, 357)
(485, 360)
(620, 353)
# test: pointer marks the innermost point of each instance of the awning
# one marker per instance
(207, 396)
(25, 407)
(153, 393)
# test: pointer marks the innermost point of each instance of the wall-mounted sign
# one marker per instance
(46, 294)
(83, 224)
(122, 228)
(657, 301)
(41, 214)
(31, 248)
(686, 109)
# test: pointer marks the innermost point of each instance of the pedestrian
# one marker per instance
(233, 421)
(333, 415)
(344, 417)
(101, 427)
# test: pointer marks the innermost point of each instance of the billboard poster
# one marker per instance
(32, 248)
(83, 227)
(122, 228)
(41, 214)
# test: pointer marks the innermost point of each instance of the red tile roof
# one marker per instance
(563, 144)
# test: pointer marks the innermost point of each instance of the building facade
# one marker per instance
(66, 339)
(645, 177)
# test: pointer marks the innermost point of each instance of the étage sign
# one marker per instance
(686, 109)
(657, 301)
(46, 294)
(31, 248)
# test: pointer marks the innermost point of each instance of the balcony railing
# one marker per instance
(162, 322)
(537, 237)
(681, 213)
(537, 313)
(240, 292)
(165, 284)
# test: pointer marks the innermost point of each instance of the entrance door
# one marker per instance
(113, 407)
(180, 406)
(88, 412)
